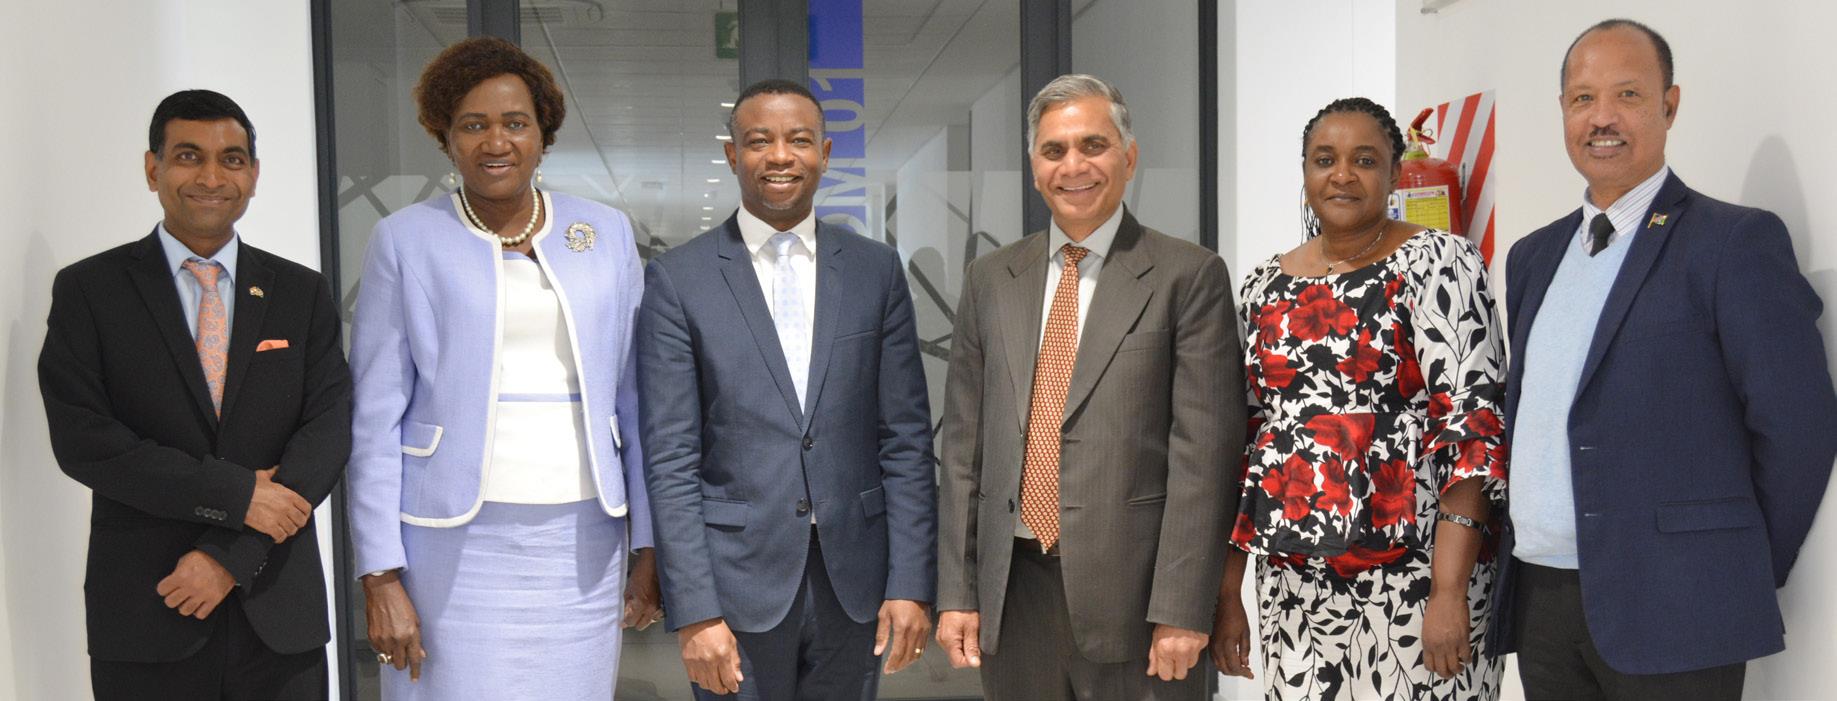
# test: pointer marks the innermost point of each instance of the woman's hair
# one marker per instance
(1361, 106)
(462, 66)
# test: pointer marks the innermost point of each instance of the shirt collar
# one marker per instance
(1626, 211)
(757, 234)
(1098, 243)
(177, 253)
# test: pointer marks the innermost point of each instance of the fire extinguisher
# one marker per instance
(1429, 193)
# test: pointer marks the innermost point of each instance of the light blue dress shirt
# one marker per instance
(189, 289)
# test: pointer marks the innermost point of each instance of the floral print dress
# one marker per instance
(1371, 392)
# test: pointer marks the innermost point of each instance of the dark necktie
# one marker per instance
(1599, 229)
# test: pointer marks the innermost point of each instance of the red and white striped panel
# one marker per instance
(1464, 137)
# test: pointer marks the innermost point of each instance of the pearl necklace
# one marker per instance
(1382, 227)
(535, 214)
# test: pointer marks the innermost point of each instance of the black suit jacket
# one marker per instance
(131, 419)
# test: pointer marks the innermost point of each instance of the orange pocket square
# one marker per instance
(271, 344)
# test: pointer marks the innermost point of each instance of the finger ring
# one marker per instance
(382, 658)
(919, 651)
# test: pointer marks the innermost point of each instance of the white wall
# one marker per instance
(1292, 58)
(1752, 128)
(80, 83)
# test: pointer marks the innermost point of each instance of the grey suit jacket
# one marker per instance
(1152, 440)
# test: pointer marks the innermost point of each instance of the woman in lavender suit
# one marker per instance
(496, 477)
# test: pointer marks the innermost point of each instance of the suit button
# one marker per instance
(803, 506)
(809, 442)
(1010, 506)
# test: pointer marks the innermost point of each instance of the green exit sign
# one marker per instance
(726, 35)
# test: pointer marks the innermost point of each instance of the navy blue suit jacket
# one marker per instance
(1702, 433)
(730, 453)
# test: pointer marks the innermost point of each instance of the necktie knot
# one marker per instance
(782, 243)
(1073, 254)
(1599, 229)
(205, 271)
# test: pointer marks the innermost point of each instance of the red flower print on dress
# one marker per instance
(1440, 405)
(1293, 484)
(1318, 313)
(1393, 493)
(1348, 435)
(1364, 359)
(1245, 530)
(1483, 422)
(1335, 494)
(1358, 559)
(1272, 370)
(1269, 323)
(1409, 371)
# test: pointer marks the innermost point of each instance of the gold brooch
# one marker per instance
(255, 291)
(579, 237)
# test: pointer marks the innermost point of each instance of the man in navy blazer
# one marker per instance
(788, 439)
(1673, 423)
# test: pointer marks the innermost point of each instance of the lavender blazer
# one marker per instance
(424, 349)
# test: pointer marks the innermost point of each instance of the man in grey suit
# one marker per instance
(786, 432)
(1093, 424)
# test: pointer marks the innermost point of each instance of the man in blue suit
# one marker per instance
(1673, 423)
(787, 432)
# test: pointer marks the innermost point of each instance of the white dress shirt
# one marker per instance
(1098, 243)
(758, 236)
(1624, 212)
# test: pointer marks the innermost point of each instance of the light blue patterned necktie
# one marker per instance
(788, 315)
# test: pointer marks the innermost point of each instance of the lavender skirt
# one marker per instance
(521, 603)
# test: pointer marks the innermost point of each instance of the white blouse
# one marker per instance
(539, 452)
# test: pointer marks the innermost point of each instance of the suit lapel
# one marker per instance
(1115, 305)
(245, 329)
(153, 278)
(829, 297)
(737, 269)
(1543, 264)
(1648, 242)
(1023, 295)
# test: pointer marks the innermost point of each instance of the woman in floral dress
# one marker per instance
(1375, 375)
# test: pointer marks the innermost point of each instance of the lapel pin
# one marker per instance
(1656, 220)
(580, 237)
(255, 291)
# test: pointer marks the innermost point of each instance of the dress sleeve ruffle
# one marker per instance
(1460, 351)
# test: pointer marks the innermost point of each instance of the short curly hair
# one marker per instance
(462, 66)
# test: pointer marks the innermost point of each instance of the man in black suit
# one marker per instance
(197, 386)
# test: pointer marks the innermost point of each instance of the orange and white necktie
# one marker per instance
(1052, 379)
(213, 328)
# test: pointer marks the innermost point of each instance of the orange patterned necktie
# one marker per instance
(213, 328)
(1052, 378)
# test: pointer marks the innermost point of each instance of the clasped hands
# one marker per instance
(198, 583)
(711, 654)
(274, 509)
(1172, 651)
